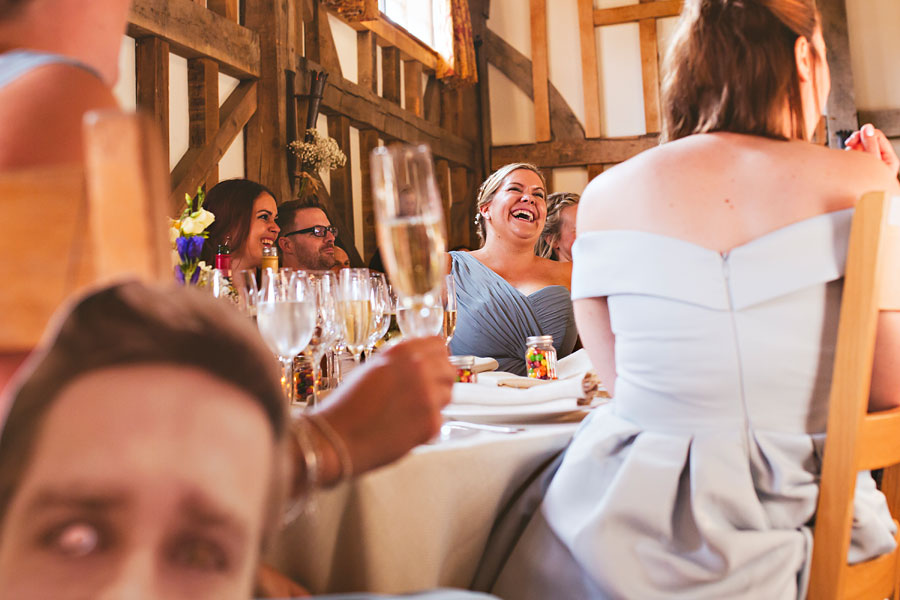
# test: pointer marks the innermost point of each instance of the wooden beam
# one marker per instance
(368, 111)
(226, 8)
(564, 125)
(390, 74)
(841, 107)
(483, 166)
(191, 170)
(590, 75)
(151, 58)
(540, 69)
(594, 171)
(442, 175)
(432, 100)
(412, 87)
(412, 49)
(320, 43)
(459, 228)
(265, 148)
(886, 120)
(650, 74)
(368, 141)
(366, 61)
(203, 108)
(192, 31)
(341, 178)
(573, 153)
(637, 12)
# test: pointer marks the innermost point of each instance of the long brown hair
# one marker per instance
(231, 201)
(731, 67)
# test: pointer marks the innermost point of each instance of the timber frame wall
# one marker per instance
(261, 43)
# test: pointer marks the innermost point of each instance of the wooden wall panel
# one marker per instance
(390, 74)
(368, 141)
(590, 73)
(442, 174)
(366, 61)
(341, 179)
(203, 107)
(540, 69)
(412, 87)
(151, 57)
(462, 211)
(637, 12)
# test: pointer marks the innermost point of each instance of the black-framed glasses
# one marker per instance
(316, 230)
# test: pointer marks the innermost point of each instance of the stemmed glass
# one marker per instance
(381, 311)
(285, 316)
(248, 292)
(326, 330)
(355, 308)
(448, 295)
(410, 227)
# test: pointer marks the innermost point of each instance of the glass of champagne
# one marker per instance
(355, 308)
(449, 302)
(381, 311)
(326, 331)
(285, 316)
(410, 228)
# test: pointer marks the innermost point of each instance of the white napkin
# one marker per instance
(485, 364)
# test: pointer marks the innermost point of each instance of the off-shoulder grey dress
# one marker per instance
(700, 480)
(494, 318)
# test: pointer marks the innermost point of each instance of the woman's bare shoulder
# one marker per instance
(42, 114)
(556, 273)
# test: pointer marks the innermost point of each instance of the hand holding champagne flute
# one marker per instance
(411, 235)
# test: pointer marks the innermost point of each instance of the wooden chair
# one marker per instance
(857, 440)
(67, 227)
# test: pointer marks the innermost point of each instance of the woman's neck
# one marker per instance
(506, 253)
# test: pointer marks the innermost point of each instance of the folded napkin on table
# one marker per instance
(484, 364)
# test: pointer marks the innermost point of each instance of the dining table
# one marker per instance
(421, 522)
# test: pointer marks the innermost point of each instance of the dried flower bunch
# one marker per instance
(317, 152)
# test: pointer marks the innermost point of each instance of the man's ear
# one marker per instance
(282, 243)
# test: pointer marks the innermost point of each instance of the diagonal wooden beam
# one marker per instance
(194, 31)
(563, 123)
(196, 163)
(637, 12)
(574, 153)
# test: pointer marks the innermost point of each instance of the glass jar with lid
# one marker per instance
(540, 357)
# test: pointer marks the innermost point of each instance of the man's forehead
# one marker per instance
(308, 217)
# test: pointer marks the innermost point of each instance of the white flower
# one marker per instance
(197, 222)
(174, 232)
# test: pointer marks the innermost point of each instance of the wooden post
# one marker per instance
(590, 75)
(366, 61)
(341, 180)
(442, 174)
(539, 70)
(841, 108)
(368, 140)
(226, 8)
(412, 78)
(203, 107)
(459, 228)
(390, 74)
(594, 170)
(151, 58)
(266, 141)
(650, 73)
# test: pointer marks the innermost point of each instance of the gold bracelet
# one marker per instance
(340, 448)
(310, 457)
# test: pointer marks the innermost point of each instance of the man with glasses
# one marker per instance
(307, 236)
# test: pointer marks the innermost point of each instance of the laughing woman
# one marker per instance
(245, 218)
(505, 293)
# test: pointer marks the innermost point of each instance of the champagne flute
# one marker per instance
(355, 308)
(381, 311)
(285, 316)
(248, 292)
(326, 331)
(449, 301)
(410, 227)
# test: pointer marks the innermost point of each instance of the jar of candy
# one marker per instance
(304, 378)
(465, 368)
(540, 357)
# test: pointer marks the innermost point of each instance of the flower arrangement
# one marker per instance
(187, 234)
(316, 152)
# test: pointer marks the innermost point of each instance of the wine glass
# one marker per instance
(449, 301)
(410, 227)
(355, 308)
(381, 311)
(248, 292)
(326, 331)
(285, 316)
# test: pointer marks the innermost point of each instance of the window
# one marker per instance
(418, 17)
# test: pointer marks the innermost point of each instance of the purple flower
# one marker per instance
(179, 274)
(189, 247)
(196, 276)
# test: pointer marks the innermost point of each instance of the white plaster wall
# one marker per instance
(570, 179)
(345, 43)
(512, 111)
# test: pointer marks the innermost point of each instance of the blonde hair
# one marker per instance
(732, 67)
(489, 188)
(555, 205)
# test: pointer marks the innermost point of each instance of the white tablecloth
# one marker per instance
(419, 523)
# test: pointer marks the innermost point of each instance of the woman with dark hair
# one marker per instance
(245, 214)
(707, 283)
(504, 292)
(559, 230)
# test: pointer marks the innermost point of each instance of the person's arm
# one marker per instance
(383, 410)
(592, 318)
(873, 141)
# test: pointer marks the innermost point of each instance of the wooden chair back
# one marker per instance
(856, 440)
(67, 227)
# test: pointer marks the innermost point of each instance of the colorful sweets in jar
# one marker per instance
(540, 357)
(465, 369)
